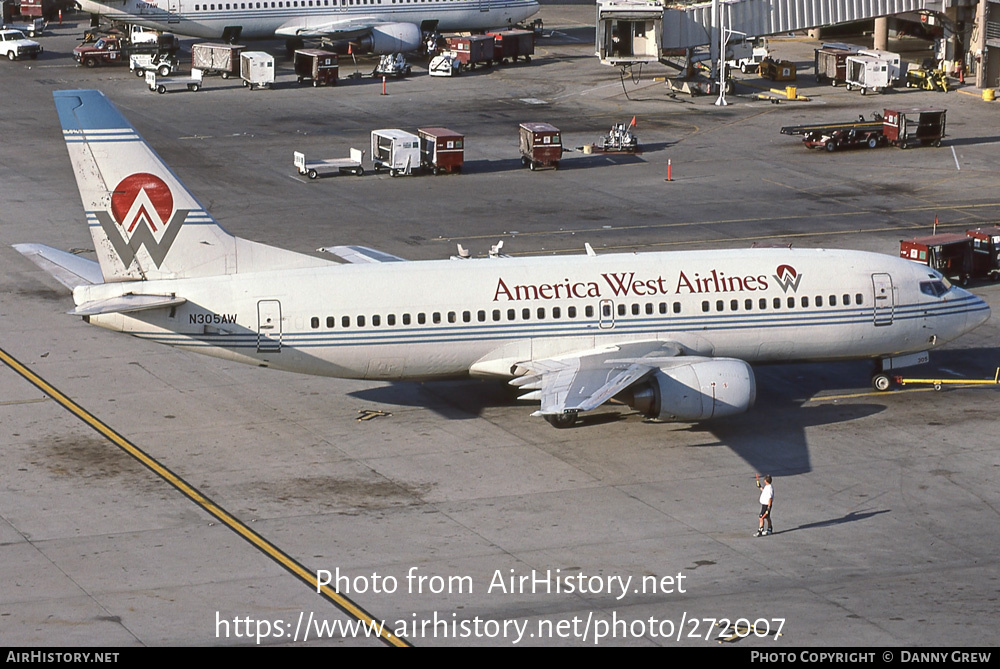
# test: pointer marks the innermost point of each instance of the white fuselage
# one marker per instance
(264, 20)
(427, 319)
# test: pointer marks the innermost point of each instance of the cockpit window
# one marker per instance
(933, 288)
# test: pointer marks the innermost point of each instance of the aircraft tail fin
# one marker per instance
(144, 222)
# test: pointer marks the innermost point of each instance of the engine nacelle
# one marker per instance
(696, 389)
(392, 38)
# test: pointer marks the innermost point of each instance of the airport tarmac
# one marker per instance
(886, 518)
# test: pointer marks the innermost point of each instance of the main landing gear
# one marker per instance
(561, 420)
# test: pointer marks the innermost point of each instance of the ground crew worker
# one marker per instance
(766, 502)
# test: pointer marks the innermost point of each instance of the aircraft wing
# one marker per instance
(68, 269)
(361, 254)
(584, 381)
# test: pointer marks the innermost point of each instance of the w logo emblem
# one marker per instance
(142, 215)
(787, 277)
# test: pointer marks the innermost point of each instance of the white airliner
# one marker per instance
(671, 334)
(376, 26)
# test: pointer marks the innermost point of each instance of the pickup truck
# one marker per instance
(15, 45)
(114, 49)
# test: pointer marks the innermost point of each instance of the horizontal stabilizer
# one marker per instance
(360, 254)
(126, 303)
(68, 269)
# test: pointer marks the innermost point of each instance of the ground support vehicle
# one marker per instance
(472, 50)
(867, 73)
(750, 63)
(395, 150)
(909, 127)
(32, 28)
(513, 44)
(834, 136)
(113, 49)
(164, 64)
(392, 65)
(445, 64)
(163, 84)
(217, 58)
(256, 69)
(315, 168)
(949, 253)
(927, 79)
(317, 66)
(619, 140)
(783, 70)
(540, 145)
(893, 62)
(830, 64)
(985, 252)
(441, 150)
(14, 45)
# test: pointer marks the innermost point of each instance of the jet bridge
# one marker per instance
(636, 31)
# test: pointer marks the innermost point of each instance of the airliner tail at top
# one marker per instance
(381, 26)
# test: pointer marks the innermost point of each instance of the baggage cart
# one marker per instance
(472, 50)
(316, 65)
(441, 150)
(513, 44)
(212, 58)
(867, 73)
(256, 69)
(395, 150)
(161, 85)
(830, 64)
(315, 168)
(950, 254)
(540, 145)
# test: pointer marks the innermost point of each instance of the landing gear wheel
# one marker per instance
(881, 382)
(561, 420)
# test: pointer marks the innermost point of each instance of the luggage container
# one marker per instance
(441, 150)
(867, 73)
(223, 59)
(985, 252)
(892, 60)
(473, 50)
(950, 254)
(316, 65)
(541, 145)
(395, 150)
(909, 127)
(513, 44)
(830, 64)
(256, 69)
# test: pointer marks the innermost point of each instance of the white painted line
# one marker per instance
(955, 156)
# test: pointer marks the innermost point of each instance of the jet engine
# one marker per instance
(695, 389)
(392, 38)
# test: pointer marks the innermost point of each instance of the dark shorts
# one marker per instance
(764, 511)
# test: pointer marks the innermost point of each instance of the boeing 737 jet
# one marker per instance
(672, 334)
(376, 26)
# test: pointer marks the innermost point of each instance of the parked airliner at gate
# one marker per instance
(375, 26)
(672, 334)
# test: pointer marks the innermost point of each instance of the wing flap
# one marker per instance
(361, 254)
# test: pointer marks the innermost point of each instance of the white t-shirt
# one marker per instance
(766, 494)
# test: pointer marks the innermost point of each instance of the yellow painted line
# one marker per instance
(290, 564)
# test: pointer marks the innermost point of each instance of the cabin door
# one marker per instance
(884, 302)
(269, 326)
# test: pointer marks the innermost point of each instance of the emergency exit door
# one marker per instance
(884, 302)
(269, 326)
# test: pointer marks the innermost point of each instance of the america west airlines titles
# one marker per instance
(626, 284)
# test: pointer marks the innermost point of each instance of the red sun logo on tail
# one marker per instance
(142, 197)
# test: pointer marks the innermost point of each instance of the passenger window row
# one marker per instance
(494, 315)
(777, 303)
